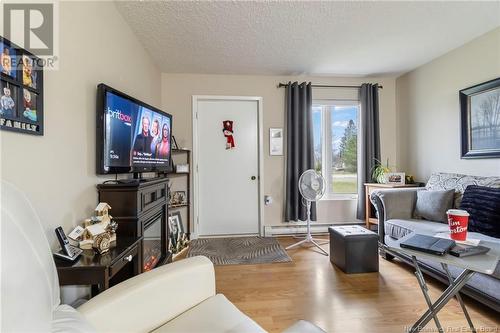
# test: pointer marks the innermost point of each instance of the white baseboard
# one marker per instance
(297, 228)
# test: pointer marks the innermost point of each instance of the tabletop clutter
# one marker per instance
(457, 245)
(97, 232)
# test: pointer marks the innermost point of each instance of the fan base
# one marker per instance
(308, 239)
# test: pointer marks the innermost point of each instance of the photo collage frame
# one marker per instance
(21, 89)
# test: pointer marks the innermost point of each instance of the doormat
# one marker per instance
(239, 250)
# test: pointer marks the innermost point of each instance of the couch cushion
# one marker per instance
(66, 319)
(216, 314)
(458, 182)
(483, 205)
(397, 228)
(432, 205)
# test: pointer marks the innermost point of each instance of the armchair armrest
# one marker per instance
(149, 300)
(393, 204)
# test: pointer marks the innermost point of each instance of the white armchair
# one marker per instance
(178, 297)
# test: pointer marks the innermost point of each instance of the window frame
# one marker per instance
(326, 144)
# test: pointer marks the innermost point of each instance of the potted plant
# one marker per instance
(379, 171)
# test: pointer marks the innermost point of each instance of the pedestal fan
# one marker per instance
(312, 188)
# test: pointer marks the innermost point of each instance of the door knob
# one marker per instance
(253, 178)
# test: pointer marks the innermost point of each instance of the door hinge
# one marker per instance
(197, 220)
(196, 115)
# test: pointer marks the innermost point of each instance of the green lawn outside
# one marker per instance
(344, 183)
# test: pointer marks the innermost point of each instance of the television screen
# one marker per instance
(132, 136)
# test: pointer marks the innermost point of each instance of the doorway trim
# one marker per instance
(260, 153)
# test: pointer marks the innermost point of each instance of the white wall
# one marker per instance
(57, 170)
(429, 112)
(177, 90)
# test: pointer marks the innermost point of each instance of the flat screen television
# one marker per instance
(132, 136)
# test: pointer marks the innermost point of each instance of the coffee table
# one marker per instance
(484, 263)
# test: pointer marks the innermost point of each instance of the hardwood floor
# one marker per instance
(311, 288)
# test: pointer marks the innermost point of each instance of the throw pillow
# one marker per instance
(432, 205)
(483, 205)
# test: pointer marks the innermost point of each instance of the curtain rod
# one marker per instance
(283, 85)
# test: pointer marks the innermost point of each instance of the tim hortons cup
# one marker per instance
(458, 221)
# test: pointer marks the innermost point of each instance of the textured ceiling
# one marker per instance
(317, 38)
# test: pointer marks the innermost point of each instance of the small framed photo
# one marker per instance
(29, 72)
(276, 141)
(174, 225)
(182, 168)
(8, 99)
(29, 111)
(396, 178)
(8, 58)
(177, 236)
(177, 216)
(178, 198)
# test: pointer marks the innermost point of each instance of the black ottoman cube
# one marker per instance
(354, 249)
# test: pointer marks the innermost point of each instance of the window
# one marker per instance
(335, 128)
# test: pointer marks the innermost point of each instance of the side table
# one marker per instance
(483, 263)
(121, 262)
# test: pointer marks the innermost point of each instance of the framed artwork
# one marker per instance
(178, 198)
(480, 120)
(21, 90)
(276, 141)
(177, 236)
(396, 178)
(177, 217)
(174, 228)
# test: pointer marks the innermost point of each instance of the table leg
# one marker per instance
(459, 298)
(423, 287)
(448, 294)
(102, 285)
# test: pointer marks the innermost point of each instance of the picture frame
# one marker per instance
(177, 235)
(275, 141)
(480, 120)
(395, 178)
(178, 216)
(178, 198)
(21, 90)
(9, 100)
(174, 225)
(182, 168)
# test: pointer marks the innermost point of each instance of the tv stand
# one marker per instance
(139, 179)
(141, 210)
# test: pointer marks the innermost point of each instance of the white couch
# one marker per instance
(178, 297)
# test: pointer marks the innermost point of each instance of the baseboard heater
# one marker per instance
(295, 228)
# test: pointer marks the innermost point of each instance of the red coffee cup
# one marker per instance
(458, 221)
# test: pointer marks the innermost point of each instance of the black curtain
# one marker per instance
(369, 142)
(300, 147)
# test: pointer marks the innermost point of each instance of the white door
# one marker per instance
(226, 180)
